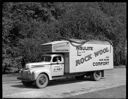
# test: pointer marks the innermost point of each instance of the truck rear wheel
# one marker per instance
(96, 75)
(42, 81)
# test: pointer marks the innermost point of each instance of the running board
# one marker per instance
(59, 77)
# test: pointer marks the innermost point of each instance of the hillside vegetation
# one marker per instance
(26, 25)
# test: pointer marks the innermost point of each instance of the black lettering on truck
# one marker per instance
(100, 52)
(82, 60)
(100, 63)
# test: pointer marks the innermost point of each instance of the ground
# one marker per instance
(115, 92)
(113, 85)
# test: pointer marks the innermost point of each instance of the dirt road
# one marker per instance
(112, 93)
(65, 88)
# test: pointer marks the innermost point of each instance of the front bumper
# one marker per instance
(26, 75)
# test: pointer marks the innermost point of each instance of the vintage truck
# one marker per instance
(69, 58)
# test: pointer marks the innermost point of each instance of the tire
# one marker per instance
(96, 75)
(26, 83)
(42, 81)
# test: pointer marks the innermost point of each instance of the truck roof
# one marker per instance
(98, 42)
(78, 41)
(55, 42)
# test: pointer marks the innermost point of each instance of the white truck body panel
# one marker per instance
(89, 59)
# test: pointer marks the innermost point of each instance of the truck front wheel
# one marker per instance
(96, 75)
(42, 81)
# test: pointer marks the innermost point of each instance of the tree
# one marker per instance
(26, 25)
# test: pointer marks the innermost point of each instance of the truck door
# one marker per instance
(57, 68)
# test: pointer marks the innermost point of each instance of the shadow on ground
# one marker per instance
(54, 83)
(22, 86)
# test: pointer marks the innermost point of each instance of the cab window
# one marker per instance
(57, 58)
(46, 58)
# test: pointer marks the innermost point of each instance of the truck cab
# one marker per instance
(49, 66)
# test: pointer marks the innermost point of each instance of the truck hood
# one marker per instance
(37, 64)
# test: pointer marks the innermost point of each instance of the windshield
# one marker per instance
(46, 58)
